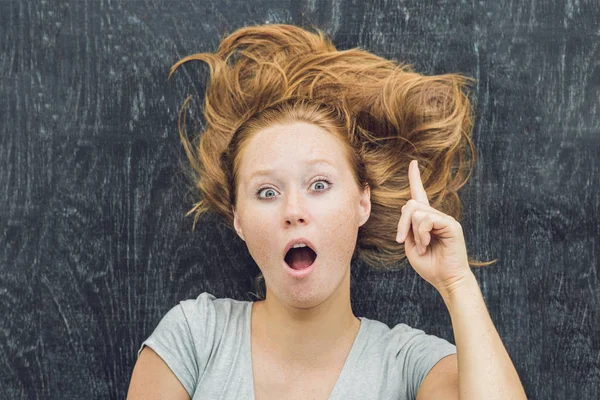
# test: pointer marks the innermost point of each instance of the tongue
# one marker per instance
(300, 258)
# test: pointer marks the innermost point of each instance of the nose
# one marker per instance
(295, 211)
(295, 220)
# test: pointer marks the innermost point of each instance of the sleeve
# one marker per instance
(417, 355)
(178, 344)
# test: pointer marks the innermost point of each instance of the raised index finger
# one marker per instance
(417, 191)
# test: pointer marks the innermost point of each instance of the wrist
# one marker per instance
(450, 289)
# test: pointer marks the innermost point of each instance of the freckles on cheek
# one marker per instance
(345, 229)
(261, 226)
(260, 238)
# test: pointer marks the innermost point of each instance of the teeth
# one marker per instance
(298, 245)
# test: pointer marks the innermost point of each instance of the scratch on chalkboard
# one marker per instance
(59, 308)
(584, 315)
(562, 276)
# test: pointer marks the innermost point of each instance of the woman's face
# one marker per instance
(296, 201)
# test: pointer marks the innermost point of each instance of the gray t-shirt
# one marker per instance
(206, 343)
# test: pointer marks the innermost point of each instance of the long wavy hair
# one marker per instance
(383, 113)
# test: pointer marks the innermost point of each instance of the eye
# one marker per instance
(321, 179)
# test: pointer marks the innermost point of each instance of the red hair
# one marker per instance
(383, 113)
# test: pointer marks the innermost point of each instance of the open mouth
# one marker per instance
(300, 258)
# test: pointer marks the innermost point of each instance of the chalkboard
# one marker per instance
(95, 244)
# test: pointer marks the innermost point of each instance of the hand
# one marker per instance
(433, 241)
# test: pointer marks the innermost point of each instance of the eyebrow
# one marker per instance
(267, 172)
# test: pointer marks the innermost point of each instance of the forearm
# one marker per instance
(485, 370)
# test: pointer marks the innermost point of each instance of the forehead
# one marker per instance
(264, 171)
(282, 146)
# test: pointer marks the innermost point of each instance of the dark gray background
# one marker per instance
(95, 247)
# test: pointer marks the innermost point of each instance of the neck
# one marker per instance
(308, 337)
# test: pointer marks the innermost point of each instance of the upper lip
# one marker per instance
(298, 240)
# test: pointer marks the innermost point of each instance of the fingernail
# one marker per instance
(399, 238)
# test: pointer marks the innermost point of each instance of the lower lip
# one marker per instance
(300, 273)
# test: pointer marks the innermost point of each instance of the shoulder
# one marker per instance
(406, 347)
(408, 336)
(190, 318)
(181, 339)
(185, 330)
(209, 316)
(203, 305)
(416, 353)
(403, 337)
(442, 381)
(153, 378)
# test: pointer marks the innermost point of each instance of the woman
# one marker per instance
(316, 148)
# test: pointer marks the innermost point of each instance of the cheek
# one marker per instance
(340, 228)
(261, 238)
